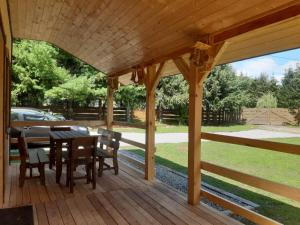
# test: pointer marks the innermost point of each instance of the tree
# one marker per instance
(224, 90)
(35, 71)
(172, 93)
(260, 86)
(80, 91)
(289, 93)
(267, 101)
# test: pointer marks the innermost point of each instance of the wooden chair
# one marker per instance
(52, 153)
(109, 146)
(82, 151)
(31, 158)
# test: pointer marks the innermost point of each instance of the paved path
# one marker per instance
(183, 137)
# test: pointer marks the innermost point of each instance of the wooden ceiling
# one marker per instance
(113, 35)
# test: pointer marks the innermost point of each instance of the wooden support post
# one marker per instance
(151, 81)
(202, 61)
(112, 84)
(194, 145)
(110, 108)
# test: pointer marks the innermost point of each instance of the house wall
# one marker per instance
(5, 59)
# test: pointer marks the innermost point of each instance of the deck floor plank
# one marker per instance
(125, 199)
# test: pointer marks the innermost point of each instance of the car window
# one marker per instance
(14, 116)
(32, 117)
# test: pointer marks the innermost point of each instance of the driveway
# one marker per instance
(183, 137)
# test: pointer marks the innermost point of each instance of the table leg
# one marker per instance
(58, 161)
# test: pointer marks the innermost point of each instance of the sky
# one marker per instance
(273, 64)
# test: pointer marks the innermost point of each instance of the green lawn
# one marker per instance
(163, 128)
(279, 167)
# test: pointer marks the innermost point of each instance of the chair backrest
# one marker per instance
(83, 147)
(60, 128)
(109, 139)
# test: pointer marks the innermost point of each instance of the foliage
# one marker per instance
(289, 93)
(260, 86)
(267, 101)
(35, 71)
(43, 74)
(224, 90)
(172, 93)
(131, 96)
(80, 91)
(289, 96)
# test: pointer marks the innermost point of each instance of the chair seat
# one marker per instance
(37, 155)
(104, 153)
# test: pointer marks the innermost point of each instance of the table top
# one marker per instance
(67, 135)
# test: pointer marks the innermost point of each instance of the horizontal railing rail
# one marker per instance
(268, 145)
(126, 124)
(134, 143)
(270, 186)
(237, 209)
(257, 182)
(87, 123)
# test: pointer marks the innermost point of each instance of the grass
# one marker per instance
(275, 166)
(164, 128)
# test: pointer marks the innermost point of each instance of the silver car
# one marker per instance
(32, 114)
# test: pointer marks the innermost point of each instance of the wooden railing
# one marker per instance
(87, 123)
(266, 185)
(125, 124)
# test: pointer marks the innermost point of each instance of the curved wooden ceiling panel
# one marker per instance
(115, 34)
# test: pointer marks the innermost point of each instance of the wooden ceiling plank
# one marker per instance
(104, 15)
(254, 28)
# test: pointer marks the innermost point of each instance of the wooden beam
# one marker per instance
(157, 77)
(255, 23)
(182, 66)
(270, 186)
(269, 145)
(150, 124)
(239, 210)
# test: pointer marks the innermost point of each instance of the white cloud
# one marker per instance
(267, 64)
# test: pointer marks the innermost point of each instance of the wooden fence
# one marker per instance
(87, 113)
(263, 116)
(208, 117)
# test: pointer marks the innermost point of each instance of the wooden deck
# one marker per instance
(123, 199)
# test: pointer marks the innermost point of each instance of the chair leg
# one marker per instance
(116, 165)
(68, 175)
(22, 175)
(30, 169)
(71, 177)
(88, 173)
(94, 173)
(101, 164)
(42, 173)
